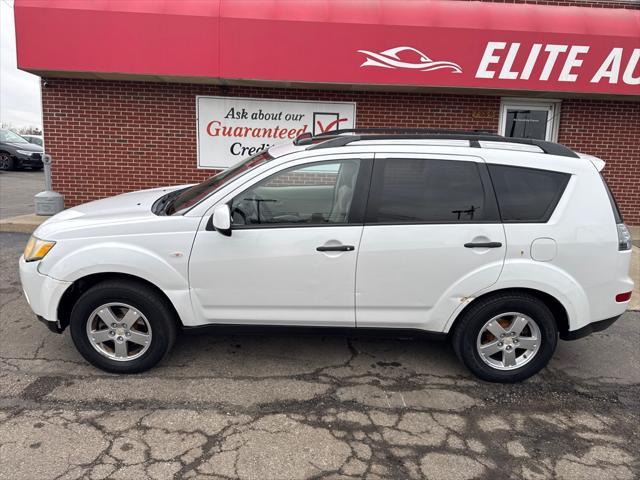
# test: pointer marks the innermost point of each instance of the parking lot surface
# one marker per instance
(278, 407)
(17, 189)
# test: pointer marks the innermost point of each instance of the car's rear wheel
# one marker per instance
(6, 162)
(122, 326)
(506, 337)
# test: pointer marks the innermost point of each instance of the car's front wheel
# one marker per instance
(6, 162)
(122, 326)
(506, 337)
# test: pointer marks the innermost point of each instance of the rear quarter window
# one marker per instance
(527, 194)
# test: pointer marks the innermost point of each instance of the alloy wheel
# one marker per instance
(119, 331)
(508, 341)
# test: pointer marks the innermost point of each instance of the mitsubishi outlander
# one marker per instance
(502, 245)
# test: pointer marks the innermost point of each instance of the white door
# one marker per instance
(291, 256)
(432, 238)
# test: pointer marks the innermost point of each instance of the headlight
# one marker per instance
(25, 152)
(36, 249)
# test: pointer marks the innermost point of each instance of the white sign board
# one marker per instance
(230, 128)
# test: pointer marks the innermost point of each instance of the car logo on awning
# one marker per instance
(391, 59)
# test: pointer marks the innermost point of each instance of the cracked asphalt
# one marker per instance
(278, 407)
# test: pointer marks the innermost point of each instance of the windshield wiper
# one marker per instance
(161, 206)
(169, 204)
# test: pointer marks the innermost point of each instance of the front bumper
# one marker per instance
(33, 160)
(53, 326)
(42, 292)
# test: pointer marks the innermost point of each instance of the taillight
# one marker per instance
(623, 297)
(624, 237)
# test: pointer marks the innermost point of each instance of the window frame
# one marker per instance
(491, 203)
(358, 203)
(552, 206)
(552, 106)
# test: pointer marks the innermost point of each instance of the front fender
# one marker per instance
(116, 257)
(543, 277)
(169, 274)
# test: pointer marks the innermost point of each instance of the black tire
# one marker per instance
(154, 307)
(6, 162)
(468, 327)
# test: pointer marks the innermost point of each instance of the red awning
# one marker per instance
(429, 43)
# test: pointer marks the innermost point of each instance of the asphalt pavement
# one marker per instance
(17, 189)
(284, 407)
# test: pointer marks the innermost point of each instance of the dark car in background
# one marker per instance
(16, 152)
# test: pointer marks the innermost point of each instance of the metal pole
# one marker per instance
(48, 202)
(46, 159)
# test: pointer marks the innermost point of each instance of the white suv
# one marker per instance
(500, 244)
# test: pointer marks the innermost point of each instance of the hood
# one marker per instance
(31, 147)
(128, 208)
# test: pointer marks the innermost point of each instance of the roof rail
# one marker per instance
(339, 138)
(400, 131)
(307, 138)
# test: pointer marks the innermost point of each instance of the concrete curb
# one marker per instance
(21, 223)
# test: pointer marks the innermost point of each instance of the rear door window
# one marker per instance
(429, 191)
(527, 194)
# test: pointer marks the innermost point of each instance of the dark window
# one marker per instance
(317, 194)
(527, 194)
(427, 191)
(524, 123)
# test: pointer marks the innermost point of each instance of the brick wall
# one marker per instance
(109, 137)
(609, 130)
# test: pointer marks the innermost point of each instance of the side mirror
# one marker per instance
(221, 219)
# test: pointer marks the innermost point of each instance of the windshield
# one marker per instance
(7, 136)
(192, 195)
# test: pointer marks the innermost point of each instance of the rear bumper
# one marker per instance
(589, 329)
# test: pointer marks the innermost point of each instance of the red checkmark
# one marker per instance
(330, 125)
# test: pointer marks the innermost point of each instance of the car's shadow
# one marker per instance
(294, 353)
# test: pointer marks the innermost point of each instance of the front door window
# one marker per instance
(318, 194)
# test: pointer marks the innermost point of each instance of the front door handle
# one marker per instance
(483, 245)
(336, 248)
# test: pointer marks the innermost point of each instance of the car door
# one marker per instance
(432, 238)
(291, 255)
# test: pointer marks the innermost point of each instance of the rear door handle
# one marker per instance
(336, 248)
(483, 245)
